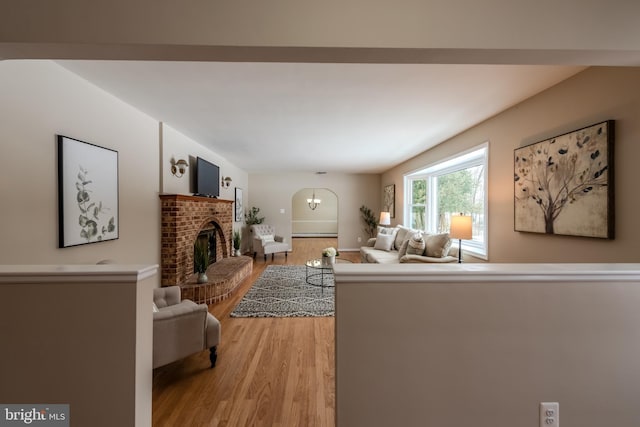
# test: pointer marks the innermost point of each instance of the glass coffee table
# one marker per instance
(317, 273)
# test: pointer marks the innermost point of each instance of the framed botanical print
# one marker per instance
(87, 193)
(239, 208)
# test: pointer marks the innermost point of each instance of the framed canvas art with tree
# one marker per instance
(564, 185)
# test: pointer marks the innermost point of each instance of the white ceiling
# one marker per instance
(357, 118)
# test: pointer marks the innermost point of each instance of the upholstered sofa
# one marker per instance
(400, 244)
(181, 327)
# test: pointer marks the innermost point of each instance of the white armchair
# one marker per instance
(266, 242)
(181, 328)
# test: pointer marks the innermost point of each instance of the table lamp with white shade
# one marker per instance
(461, 228)
(385, 218)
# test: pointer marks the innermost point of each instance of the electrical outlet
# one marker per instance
(549, 414)
(359, 239)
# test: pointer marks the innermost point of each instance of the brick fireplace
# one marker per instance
(183, 217)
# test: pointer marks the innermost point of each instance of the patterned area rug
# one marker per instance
(282, 291)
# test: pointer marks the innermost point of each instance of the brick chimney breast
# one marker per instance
(182, 219)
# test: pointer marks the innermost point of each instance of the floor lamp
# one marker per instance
(461, 228)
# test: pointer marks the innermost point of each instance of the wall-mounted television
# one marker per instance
(207, 179)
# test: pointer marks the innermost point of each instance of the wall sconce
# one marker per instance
(179, 168)
(226, 181)
(313, 202)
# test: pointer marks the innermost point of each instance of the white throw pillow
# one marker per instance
(155, 308)
(267, 238)
(384, 242)
(389, 230)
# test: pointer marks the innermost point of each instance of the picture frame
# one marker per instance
(88, 208)
(389, 200)
(564, 185)
(239, 206)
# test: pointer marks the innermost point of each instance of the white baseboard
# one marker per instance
(314, 235)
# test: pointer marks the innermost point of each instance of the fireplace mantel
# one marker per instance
(194, 198)
(183, 216)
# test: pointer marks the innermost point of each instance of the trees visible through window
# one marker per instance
(418, 203)
(449, 188)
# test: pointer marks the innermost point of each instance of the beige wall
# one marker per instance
(177, 146)
(82, 336)
(273, 192)
(482, 345)
(594, 95)
(39, 99)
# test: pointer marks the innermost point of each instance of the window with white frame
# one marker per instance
(454, 186)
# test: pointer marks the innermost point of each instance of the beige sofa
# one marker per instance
(401, 245)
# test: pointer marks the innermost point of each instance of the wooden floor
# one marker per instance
(270, 372)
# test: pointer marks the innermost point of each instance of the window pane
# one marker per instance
(461, 192)
(417, 217)
(448, 188)
(419, 192)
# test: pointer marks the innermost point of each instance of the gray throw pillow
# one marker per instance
(402, 251)
(386, 230)
(416, 245)
(437, 245)
(402, 234)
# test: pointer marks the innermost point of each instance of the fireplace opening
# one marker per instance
(208, 236)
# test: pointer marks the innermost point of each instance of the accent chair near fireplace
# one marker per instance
(181, 328)
(266, 242)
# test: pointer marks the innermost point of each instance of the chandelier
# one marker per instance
(313, 202)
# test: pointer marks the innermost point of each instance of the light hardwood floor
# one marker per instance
(270, 371)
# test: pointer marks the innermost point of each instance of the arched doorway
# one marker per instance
(321, 221)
